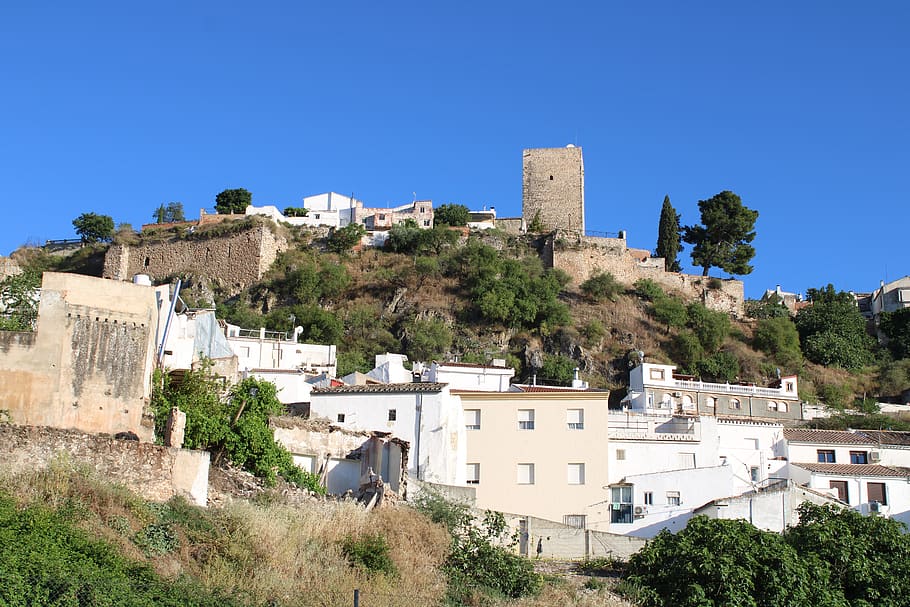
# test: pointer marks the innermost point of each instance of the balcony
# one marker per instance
(700, 386)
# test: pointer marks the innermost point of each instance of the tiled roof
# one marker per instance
(382, 388)
(473, 366)
(523, 388)
(856, 469)
(888, 437)
(839, 437)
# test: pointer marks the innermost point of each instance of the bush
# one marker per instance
(601, 286)
(557, 369)
(452, 214)
(371, 552)
(778, 338)
(648, 290)
(710, 326)
(669, 311)
(344, 239)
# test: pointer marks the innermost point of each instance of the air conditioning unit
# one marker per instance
(874, 456)
(641, 510)
(875, 507)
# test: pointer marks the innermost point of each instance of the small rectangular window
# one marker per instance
(876, 492)
(578, 521)
(473, 474)
(526, 419)
(754, 474)
(673, 498)
(576, 474)
(843, 492)
(826, 456)
(525, 474)
(472, 419)
(686, 461)
(657, 374)
(575, 419)
(859, 457)
(620, 454)
(649, 498)
(340, 417)
(393, 415)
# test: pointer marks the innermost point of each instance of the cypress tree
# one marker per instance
(668, 244)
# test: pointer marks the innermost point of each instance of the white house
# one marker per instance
(657, 389)
(466, 376)
(425, 415)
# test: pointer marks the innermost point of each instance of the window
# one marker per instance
(657, 374)
(843, 494)
(393, 415)
(772, 406)
(575, 419)
(473, 474)
(525, 474)
(710, 402)
(576, 474)
(826, 456)
(620, 454)
(754, 474)
(782, 407)
(578, 521)
(876, 492)
(649, 498)
(673, 498)
(735, 404)
(340, 417)
(687, 402)
(423, 210)
(526, 419)
(858, 457)
(686, 461)
(789, 386)
(472, 419)
(650, 399)
(621, 504)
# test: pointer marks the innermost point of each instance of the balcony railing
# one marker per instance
(728, 388)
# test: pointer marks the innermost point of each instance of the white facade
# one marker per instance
(425, 415)
(464, 376)
(656, 389)
(891, 296)
(390, 369)
(270, 350)
(332, 209)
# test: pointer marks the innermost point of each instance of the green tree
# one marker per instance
(778, 338)
(19, 298)
(896, 327)
(427, 339)
(452, 215)
(344, 239)
(668, 245)
(710, 326)
(169, 213)
(832, 331)
(234, 201)
(94, 228)
(601, 286)
(670, 311)
(557, 369)
(722, 240)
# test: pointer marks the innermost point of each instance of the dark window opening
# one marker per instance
(393, 415)
(340, 417)
(826, 456)
(858, 457)
(843, 493)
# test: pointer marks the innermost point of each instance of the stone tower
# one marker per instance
(553, 188)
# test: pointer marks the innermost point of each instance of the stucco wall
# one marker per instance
(156, 473)
(88, 366)
(583, 257)
(553, 188)
(232, 262)
(561, 541)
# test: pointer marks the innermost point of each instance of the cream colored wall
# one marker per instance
(499, 446)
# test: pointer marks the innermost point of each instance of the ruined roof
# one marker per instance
(383, 388)
(856, 469)
(840, 437)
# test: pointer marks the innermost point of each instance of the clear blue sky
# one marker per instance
(802, 108)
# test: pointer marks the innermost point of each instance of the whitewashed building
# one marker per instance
(495, 377)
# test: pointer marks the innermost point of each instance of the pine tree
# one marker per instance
(668, 244)
(722, 241)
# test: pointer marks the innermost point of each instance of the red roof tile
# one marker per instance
(382, 388)
(856, 469)
(839, 437)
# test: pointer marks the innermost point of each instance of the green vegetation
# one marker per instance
(169, 213)
(455, 215)
(833, 557)
(19, 298)
(896, 328)
(233, 201)
(91, 227)
(668, 244)
(778, 338)
(601, 286)
(722, 240)
(370, 551)
(344, 239)
(296, 211)
(832, 331)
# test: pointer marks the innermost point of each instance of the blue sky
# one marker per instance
(801, 108)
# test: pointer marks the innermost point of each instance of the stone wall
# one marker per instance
(564, 542)
(581, 257)
(88, 365)
(231, 262)
(8, 267)
(553, 188)
(154, 472)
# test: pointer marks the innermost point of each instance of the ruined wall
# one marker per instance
(88, 365)
(8, 267)
(580, 258)
(553, 188)
(232, 261)
(156, 473)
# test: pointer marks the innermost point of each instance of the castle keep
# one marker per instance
(553, 189)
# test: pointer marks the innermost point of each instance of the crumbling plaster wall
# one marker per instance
(154, 472)
(582, 257)
(232, 261)
(88, 365)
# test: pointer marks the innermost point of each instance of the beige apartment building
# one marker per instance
(540, 453)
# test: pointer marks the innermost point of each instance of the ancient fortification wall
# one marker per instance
(583, 257)
(88, 365)
(553, 188)
(231, 262)
(8, 267)
(156, 473)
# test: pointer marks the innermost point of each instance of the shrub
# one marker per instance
(344, 239)
(557, 369)
(648, 290)
(710, 326)
(594, 331)
(669, 311)
(452, 214)
(601, 286)
(371, 552)
(778, 338)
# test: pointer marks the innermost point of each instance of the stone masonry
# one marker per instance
(231, 262)
(553, 188)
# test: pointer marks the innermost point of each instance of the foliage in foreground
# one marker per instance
(833, 558)
(480, 560)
